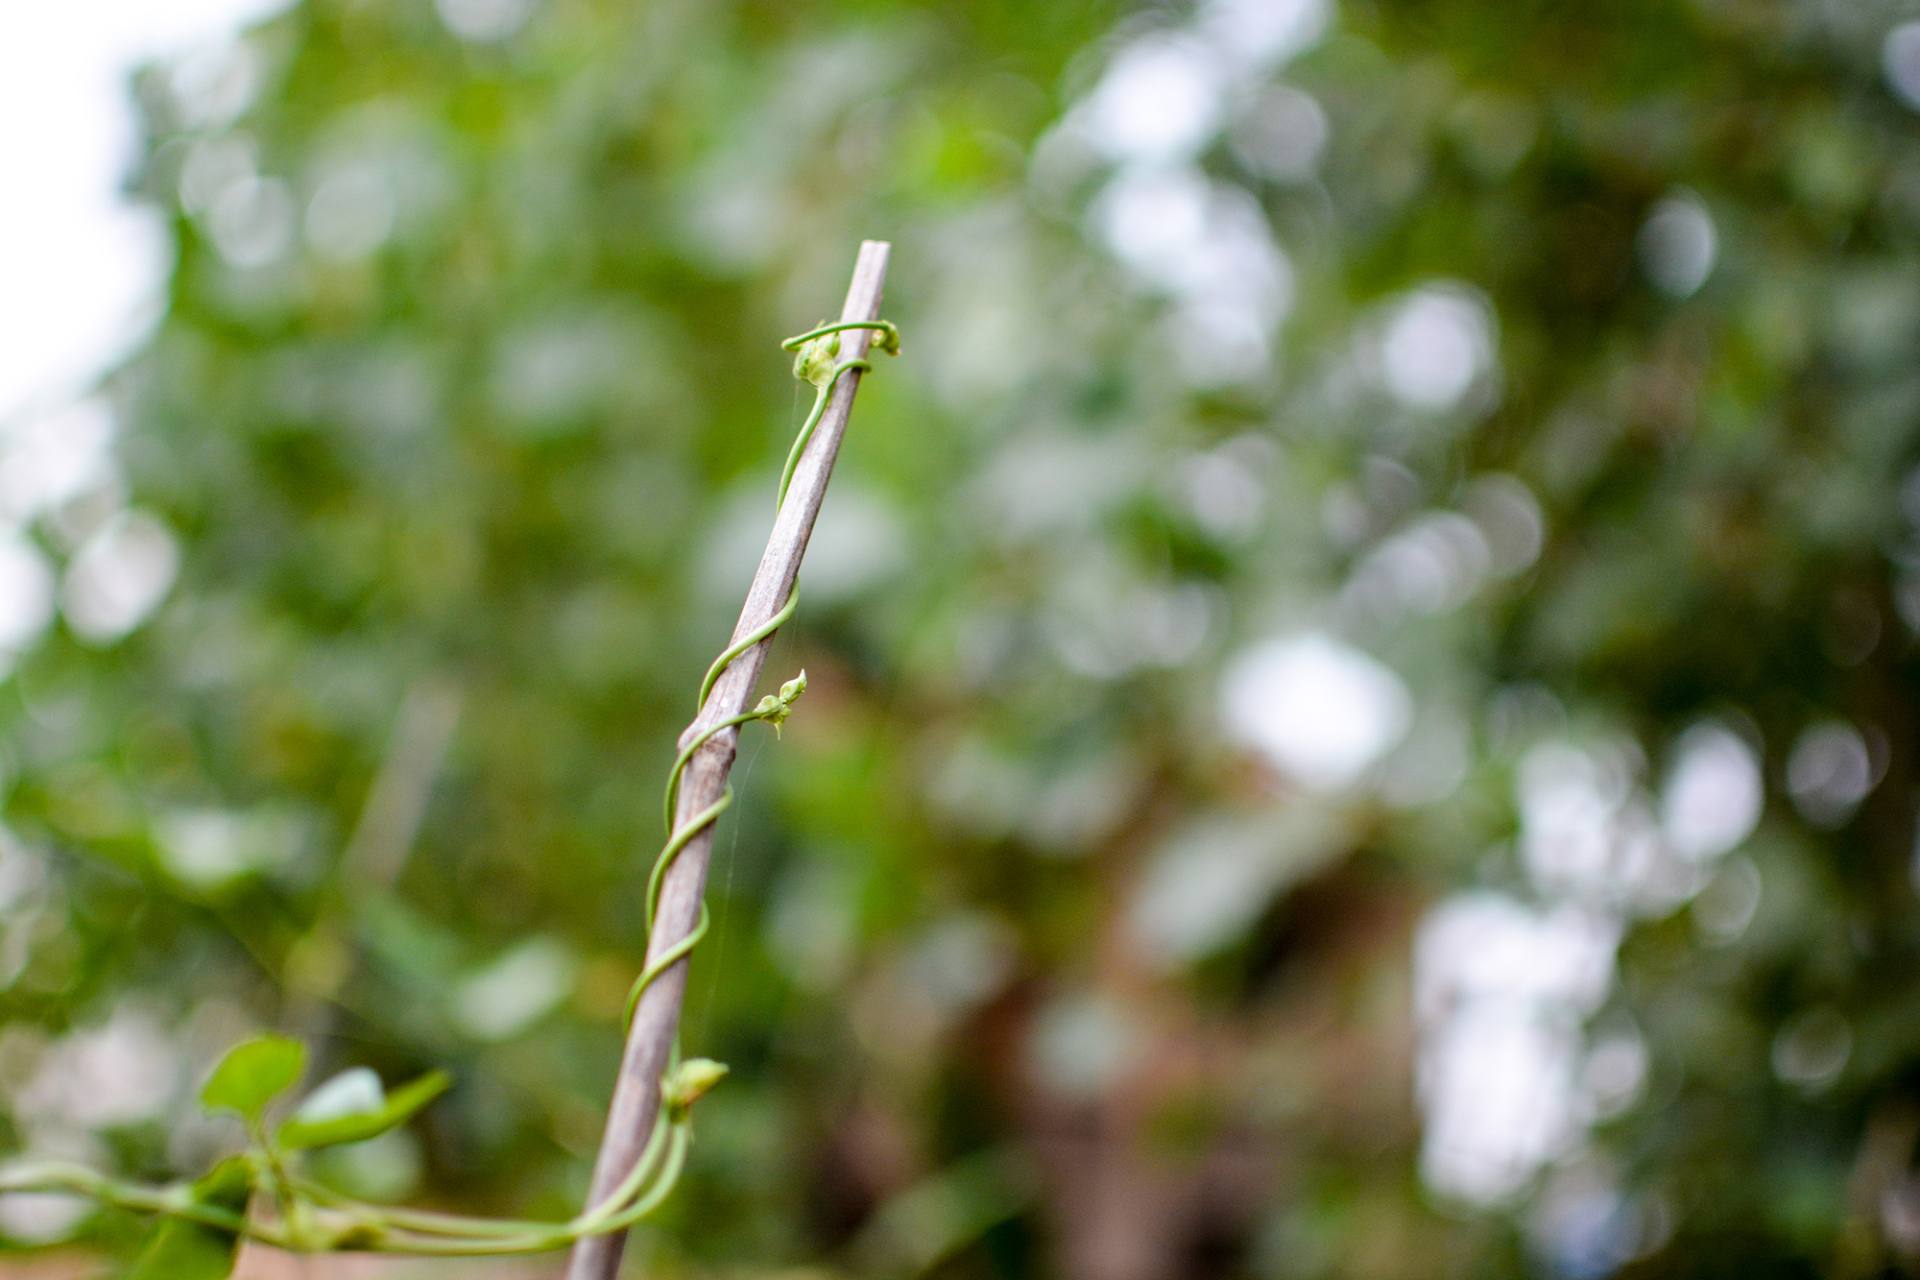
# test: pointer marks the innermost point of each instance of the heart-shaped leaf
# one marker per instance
(345, 1110)
(253, 1074)
(182, 1250)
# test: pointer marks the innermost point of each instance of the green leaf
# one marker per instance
(179, 1249)
(253, 1074)
(182, 1250)
(322, 1121)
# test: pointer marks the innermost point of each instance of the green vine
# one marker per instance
(819, 365)
(262, 1194)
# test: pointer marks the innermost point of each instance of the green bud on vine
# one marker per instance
(815, 363)
(687, 1083)
(775, 708)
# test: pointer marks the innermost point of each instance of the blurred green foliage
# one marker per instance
(1561, 358)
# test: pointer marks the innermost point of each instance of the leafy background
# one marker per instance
(1362, 661)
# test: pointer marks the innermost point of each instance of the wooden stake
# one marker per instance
(636, 1095)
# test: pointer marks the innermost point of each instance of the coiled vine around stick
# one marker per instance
(202, 1221)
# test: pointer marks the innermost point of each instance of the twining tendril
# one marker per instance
(819, 365)
(308, 1216)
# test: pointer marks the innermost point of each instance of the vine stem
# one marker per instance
(635, 1109)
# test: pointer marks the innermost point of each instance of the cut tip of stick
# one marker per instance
(872, 258)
